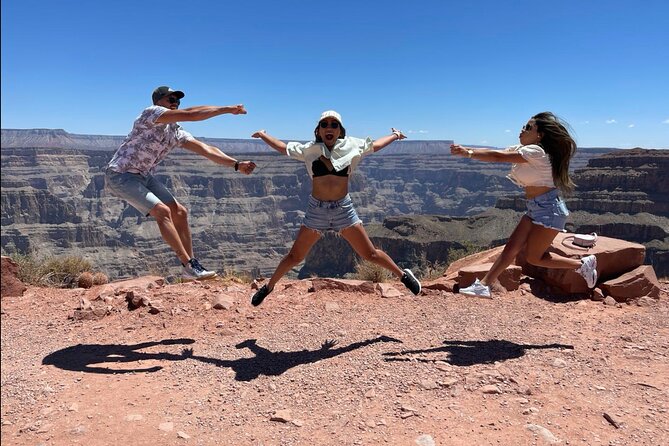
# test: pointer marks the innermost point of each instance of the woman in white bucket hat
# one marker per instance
(330, 158)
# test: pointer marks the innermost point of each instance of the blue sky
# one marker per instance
(473, 71)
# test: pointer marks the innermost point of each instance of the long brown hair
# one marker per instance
(559, 145)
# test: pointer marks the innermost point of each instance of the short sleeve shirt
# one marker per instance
(536, 171)
(346, 152)
(148, 143)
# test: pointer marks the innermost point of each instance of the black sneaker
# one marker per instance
(260, 295)
(193, 270)
(410, 281)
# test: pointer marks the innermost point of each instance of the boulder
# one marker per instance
(614, 258)
(640, 282)
(362, 286)
(11, 284)
(509, 279)
(622, 274)
(487, 256)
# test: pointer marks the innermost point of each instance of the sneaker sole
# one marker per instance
(476, 295)
(193, 279)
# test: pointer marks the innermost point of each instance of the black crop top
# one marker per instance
(319, 169)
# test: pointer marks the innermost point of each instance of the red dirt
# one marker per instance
(331, 368)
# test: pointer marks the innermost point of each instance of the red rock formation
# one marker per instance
(11, 285)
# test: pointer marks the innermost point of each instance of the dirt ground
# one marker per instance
(331, 367)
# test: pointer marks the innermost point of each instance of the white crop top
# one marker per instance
(536, 171)
(346, 152)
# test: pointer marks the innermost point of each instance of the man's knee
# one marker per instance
(161, 212)
(179, 211)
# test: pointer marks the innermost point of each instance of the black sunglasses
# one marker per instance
(333, 125)
(527, 127)
(174, 100)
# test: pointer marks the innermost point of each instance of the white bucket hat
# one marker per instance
(331, 114)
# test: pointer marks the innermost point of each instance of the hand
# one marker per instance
(238, 109)
(246, 167)
(399, 133)
(259, 134)
(457, 149)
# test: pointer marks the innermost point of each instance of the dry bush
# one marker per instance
(57, 272)
(432, 271)
(85, 280)
(468, 248)
(230, 275)
(365, 270)
(100, 278)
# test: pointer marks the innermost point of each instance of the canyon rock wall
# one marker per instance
(416, 200)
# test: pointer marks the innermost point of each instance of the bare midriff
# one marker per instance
(329, 188)
(535, 191)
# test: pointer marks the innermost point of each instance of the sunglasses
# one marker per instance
(333, 125)
(173, 100)
(527, 127)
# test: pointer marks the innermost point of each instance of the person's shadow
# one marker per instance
(81, 357)
(265, 362)
(466, 353)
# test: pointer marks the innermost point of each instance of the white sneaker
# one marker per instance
(477, 289)
(193, 270)
(588, 270)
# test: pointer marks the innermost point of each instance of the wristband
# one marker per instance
(236, 166)
(470, 153)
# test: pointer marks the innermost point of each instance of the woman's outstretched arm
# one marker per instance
(382, 142)
(493, 156)
(271, 141)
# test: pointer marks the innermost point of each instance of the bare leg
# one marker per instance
(180, 220)
(538, 241)
(516, 243)
(306, 238)
(535, 239)
(163, 217)
(361, 244)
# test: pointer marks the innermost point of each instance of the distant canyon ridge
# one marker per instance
(418, 203)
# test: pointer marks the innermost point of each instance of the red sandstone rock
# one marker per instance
(637, 283)
(509, 279)
(487, 256)
(362, 286)
(11, 285)
(614, 257)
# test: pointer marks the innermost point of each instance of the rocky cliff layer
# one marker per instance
(54, 202)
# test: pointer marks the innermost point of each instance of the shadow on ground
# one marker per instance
(91, 357)
(467, 353)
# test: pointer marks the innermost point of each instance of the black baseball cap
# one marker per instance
(163, 91)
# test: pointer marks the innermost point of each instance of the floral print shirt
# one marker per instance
(148, 143)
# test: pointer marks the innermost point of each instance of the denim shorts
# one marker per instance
(548, 210)
(330, 215)
(142, 192)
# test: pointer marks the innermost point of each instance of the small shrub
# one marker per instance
(432, 271)
(85, 280)
(100, 278)
(230, 275)
(365, 270)
(59, 272)
(468, 248)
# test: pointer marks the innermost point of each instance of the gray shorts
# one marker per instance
(330, 215)
(141, 192)
(548, 210)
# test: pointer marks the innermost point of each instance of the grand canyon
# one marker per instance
(417, 201)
